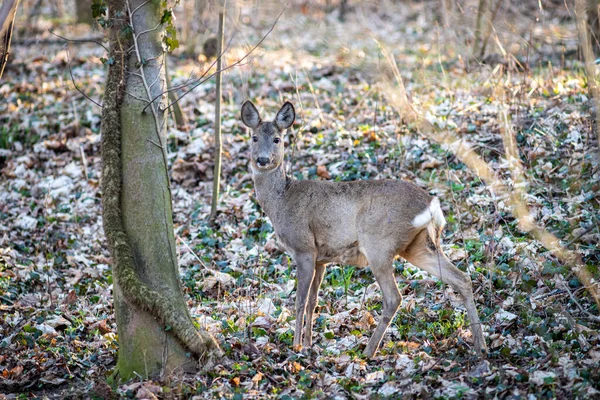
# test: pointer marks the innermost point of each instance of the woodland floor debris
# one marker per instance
(57, 328)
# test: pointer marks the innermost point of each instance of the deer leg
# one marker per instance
(304, 274)
(423, 254)
(384, 274)
(312, 303)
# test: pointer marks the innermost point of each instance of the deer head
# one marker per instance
(267, 136)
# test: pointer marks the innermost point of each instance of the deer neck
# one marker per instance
(270, 187)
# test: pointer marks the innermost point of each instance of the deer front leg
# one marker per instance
(383, 270)
(304, 274)
(313, 298)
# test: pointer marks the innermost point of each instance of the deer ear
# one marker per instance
(285, 116)
(250, 115)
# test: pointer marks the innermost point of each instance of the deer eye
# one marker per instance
(276, 140)
(255, 138)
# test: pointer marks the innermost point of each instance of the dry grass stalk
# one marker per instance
(394, 90)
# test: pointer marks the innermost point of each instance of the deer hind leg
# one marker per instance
(424, 253)
(305, 273)
(313, 298)
(382, 267)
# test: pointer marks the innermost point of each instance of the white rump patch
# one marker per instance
(432, 213)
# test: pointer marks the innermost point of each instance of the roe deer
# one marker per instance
(354, 223)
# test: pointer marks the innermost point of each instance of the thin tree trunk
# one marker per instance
(218, 150)
(8, 12)
(445, 13)
(490, 26)
(588, 57)
(593, 18)
(179, 117)
(343, 10)
(156, 332)
(481, 10)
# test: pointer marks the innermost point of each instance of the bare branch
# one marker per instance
(200, 80)
(77, 87)
(187, 82)
(154, 143)
(90, 40)
(238, 62)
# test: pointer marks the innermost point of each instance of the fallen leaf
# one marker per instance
(322, 172)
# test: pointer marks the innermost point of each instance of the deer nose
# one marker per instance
(262, 161)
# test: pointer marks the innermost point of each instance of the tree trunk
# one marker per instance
(218, 150)
(481, 11)
(593, 20)
(83, 9)
(8, 12)
(156, 332)
(180, 120)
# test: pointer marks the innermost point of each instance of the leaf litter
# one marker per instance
(58, 335)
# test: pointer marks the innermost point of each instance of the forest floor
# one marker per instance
(57, 326)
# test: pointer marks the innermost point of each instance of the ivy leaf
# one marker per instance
(167, 16)
(109, 61)
(98, 8)
(171, 38)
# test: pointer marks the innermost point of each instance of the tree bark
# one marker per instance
(156, 332)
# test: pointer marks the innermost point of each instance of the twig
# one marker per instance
(77, 87)
(489, 30)
(90, 40)
(193, 253)
(576, 238)
(583, 310)
(312, 91)
(187, 82)
(238, 62)
(154, 143)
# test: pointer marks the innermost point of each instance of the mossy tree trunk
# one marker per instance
(156, 332)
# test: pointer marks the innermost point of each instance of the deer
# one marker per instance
(359, 223)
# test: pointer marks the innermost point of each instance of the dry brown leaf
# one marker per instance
(322, 172)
